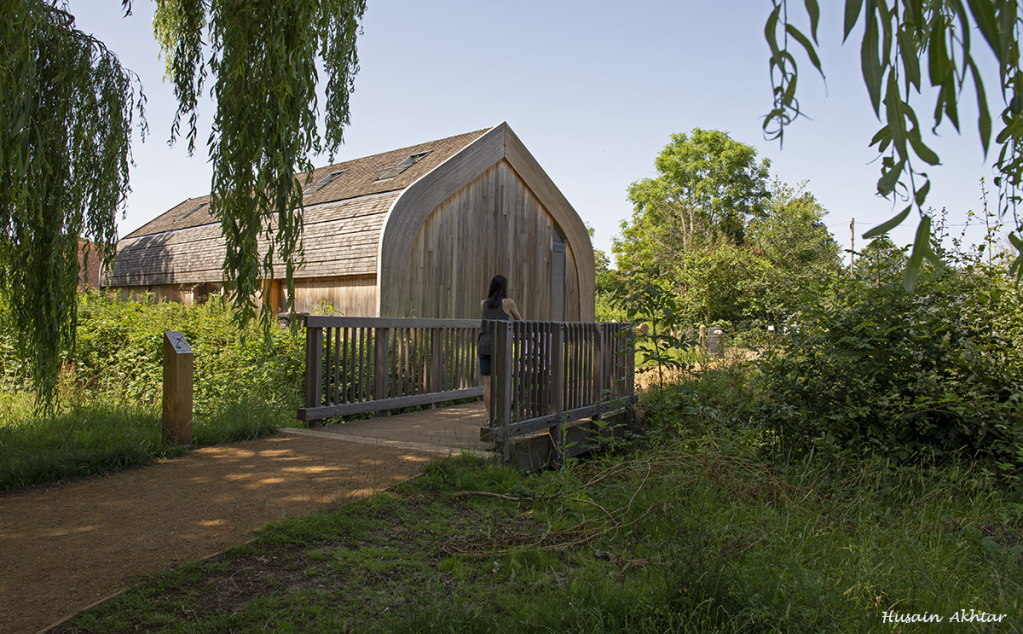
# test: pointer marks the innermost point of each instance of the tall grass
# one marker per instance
(74, 442)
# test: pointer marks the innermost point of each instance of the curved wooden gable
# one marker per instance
(488, 209)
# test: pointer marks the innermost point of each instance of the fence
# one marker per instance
(357, 365)
(544, 373)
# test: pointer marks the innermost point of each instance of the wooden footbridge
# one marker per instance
(557, 389)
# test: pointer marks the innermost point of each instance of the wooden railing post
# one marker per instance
(436, 355)
(501, 382)
(557, 389)
(599, 379)
(314, 367)
(628, 346)
(381, 366)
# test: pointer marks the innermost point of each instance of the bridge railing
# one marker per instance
(544, 374)
(356, 365)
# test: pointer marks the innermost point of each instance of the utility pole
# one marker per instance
(852, 244)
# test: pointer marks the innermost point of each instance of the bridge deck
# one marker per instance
(447, 430)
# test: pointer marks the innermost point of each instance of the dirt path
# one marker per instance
(65, 547)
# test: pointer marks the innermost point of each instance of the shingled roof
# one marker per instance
(184, 245)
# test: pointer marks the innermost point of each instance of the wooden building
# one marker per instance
(415, 232)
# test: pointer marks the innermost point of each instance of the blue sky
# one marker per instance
(594, 89)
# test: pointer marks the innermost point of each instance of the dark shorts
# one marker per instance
(484, 365)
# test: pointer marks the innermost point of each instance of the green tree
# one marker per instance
(710, 284)
(708, 187)
(732, 246)
(880, 262)
(65, 132)
(795, 253)
(907, 42)
(607, 283)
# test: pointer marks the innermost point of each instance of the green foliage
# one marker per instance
(267, 51)
(872, 368)
(710, 403)
(607, 282)
(793, 253)
(905, 42)
(649, 303)
(120, 353)
(65, 125)
(66, 108)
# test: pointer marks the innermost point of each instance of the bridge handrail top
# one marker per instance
(327, 321)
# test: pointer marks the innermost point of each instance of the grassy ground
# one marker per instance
(693, 536)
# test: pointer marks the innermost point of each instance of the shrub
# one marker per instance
(120, 350)
(875, 369)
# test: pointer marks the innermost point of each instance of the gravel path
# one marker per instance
(67, 546)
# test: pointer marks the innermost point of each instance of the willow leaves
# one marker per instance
(66, 117)
(263, 62)
(900, 37)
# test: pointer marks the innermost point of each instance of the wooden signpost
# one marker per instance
(177, 389)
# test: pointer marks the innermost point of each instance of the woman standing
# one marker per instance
(496, 307)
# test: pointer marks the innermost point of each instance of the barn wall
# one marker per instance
(493, 225)
(160, 292)
(350, 296)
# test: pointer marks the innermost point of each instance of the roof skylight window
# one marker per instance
(391, 172)
(323, 182)
(188, 213)
(330, 178)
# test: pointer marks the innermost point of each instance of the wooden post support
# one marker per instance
(381, 367)
(557, 390)
(177, 389)
(501, 382)
(599, 369)
(314, 368)
(630, 370)
(436, 367)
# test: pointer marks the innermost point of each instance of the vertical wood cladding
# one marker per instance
(349, 296)
(493, 225)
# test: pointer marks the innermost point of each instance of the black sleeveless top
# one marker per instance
(491, 314)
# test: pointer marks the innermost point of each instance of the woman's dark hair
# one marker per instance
(498, 291)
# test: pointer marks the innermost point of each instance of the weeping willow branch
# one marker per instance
(264, 57)
(66, 117)
(905, 44)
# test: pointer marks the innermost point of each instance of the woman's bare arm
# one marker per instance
(512, 309)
